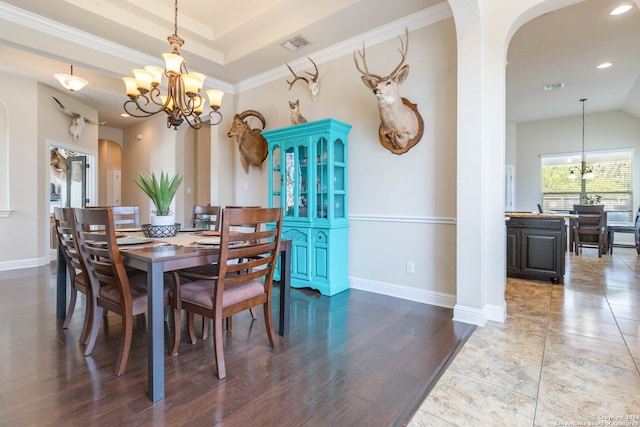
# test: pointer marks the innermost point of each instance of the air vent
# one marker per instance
(295, 43)
(553, 86)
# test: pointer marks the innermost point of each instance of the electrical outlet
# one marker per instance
(411, 267)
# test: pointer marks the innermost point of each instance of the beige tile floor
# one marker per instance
(566, 355)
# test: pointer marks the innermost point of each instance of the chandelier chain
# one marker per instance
(584, 158)
(175, 18)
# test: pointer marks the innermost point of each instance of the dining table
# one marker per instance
(165, 254)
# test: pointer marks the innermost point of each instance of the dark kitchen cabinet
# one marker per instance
(535, 248)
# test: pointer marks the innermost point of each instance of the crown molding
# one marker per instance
(415, 21)
(381, 34)
(64, 32)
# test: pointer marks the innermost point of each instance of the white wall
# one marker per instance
(401, 207)
(33, 122)
(149, 146)
(20, 231)
(603, 131)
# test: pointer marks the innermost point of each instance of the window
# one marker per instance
(612, 181)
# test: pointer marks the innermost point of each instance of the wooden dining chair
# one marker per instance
(109, 283)
(589, 228)
(245, 277)
(633, 229)
(126, 216)
(123, 216)
(206, 217)
(208, 271)
(65, 231)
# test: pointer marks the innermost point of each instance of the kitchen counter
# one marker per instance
(539, 215)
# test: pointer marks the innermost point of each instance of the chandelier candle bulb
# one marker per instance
(169, 104)
(143, 80)
(131, 86)
(156, 73)
(192, 83)
(215, 98)
(198, 107)
(173, 63)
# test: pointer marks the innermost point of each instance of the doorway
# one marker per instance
(71, 183)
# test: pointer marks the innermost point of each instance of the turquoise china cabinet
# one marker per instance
(308, 179)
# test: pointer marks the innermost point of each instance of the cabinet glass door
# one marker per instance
(339, 179)
(276, 177)
(322, 179)
(296, 181)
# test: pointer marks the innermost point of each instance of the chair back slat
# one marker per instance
(99, 251)
(206, 217)
(250, 254)
(65, 231)
(123, 216)
(590, 227)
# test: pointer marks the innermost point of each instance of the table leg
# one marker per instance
(285, 288)
(155, 331)
(61, 286)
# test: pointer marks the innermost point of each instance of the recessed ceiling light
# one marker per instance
(124, 115)
(295, 43)
(621, 9)
(553, 86)
(604, 65)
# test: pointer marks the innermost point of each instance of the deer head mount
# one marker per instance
(251, 144)
(401, 125)
(314, 85)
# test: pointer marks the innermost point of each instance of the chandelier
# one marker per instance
(71, 82)
(182, 100)
(585, 171)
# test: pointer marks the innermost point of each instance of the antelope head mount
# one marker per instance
(314, 85)
(401, 125)
(251, 144)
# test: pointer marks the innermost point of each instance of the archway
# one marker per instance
(483, 31)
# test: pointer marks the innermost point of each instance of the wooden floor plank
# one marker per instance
(356, 358)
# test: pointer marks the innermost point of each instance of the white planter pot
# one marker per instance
(163, 220)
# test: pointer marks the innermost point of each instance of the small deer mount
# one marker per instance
(314, 85)
(401, 125)
(294, 113)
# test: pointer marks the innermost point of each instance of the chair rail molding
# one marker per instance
(403, 219)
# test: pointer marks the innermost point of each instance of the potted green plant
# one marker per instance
(592, 199)
(161, 190)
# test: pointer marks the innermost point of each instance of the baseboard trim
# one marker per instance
(496, 313)
(470, 315)
(480, 317)
(438, 299)
(23, 263)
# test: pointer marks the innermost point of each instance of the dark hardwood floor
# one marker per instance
(354, 359)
